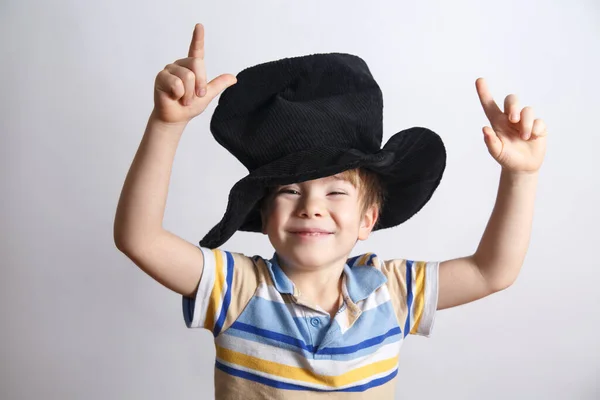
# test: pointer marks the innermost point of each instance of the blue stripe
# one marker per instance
(352, 260)
(361, 345)
(274, 316)
(374, 322)
(188, 304)
(409, 296)
(235, 333)
(372, 384)
(273, 335)
(313, 349)
(290, 386)
(370, 260)
(227, 298)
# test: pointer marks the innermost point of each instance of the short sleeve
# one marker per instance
(413, 287)
(228, 282)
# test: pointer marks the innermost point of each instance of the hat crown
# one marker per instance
(296, 104)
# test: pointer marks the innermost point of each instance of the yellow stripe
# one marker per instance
(215, 295)
(303, 375)
(363, 259)
(418, 295)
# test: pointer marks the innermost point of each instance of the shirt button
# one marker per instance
(315, 322)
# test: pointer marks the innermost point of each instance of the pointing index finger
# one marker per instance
(197, 45)
(490, 107)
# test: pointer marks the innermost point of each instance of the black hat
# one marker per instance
(308, 117)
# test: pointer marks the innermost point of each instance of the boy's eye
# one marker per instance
(292, 191)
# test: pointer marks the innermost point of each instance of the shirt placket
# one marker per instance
(314, 324)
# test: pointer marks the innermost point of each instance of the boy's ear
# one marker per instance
(368, 222)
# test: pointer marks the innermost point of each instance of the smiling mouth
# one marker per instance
(312, 233)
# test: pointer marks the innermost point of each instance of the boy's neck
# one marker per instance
(322, 287)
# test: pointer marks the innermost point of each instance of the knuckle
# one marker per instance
(175, 85)
(188, 75)
(160, 75)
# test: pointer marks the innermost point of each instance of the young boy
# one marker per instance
(312, 321)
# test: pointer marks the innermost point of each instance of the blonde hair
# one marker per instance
(369, 187)
(371, 191)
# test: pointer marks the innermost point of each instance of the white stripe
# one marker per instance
(204, 289)
(328, 367)
(270, 293)
(375, 299)
(342, 320)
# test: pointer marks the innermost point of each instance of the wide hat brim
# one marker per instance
(410, 166)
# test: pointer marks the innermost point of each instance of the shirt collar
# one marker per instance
(283, 284)
(362, 279)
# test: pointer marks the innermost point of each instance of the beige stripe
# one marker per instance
(395, 272)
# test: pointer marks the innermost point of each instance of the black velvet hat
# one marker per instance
(304, 118)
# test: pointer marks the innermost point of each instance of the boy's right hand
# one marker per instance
(180, 91)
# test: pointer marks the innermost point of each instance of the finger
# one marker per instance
(493, 143)
(197, 66)
(539, 128)
(490, 108)
(218, 84)
(188, 79)
(526, 124)
(512, 108)
(197, 44)
(169, 84)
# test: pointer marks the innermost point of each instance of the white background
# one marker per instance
(80, 321)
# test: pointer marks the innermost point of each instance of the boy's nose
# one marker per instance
(311, 208)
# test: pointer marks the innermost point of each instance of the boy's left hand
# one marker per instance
(519, 143)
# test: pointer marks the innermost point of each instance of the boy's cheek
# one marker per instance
(264, 222)
(266, 218)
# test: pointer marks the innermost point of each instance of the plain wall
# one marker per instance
(80, 321)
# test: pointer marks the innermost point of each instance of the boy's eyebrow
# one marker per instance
(338, 177)
(335, 177)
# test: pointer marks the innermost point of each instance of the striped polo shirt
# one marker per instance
(271, 343)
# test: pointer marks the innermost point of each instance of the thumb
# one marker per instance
(492, 141)
(218, 84)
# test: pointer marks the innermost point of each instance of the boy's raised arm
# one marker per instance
(502, 249)
(518, 143)
(180, 94)
(138, 231)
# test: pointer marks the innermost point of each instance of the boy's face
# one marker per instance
(329, 204)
